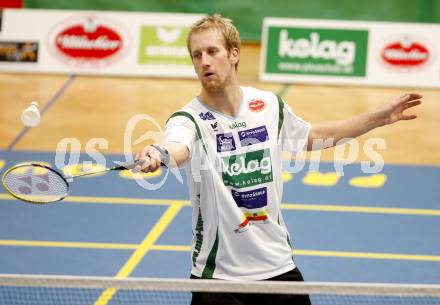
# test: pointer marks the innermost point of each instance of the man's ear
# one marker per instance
(235, 55)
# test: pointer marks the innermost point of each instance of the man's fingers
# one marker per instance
(142, 165)
(409, 97)
(149, 160)
(409, 117)
(138, 164)
(141, 158)
(412, 104)
(407, 106)
(155, 164)
(413, 96)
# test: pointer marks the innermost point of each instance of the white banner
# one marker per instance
(92, 42)
(348, 52)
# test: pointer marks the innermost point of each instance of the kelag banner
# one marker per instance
(345, 52)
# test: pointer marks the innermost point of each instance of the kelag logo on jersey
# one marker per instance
(225, 142)
(253, 199)
(237, 125)
(247, 169)
(253, 136)
(206, 116)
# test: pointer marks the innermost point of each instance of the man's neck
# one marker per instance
(226, 101)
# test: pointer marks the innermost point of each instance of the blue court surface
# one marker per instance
(357, 227)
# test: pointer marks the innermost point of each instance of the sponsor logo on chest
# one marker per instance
(247, 169)
(206, 116)
(225, 142)
(253, 199)
(237, 125)
(214, 126)
(253, 136)
(256, 105)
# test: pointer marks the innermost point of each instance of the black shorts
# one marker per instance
(214, 298)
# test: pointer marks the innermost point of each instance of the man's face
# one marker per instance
(213, 64)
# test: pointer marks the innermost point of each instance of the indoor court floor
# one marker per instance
(358, 227)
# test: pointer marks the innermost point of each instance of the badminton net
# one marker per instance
(71, 290)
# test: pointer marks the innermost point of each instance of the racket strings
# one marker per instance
(35, 183)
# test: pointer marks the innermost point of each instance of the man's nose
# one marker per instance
(205, 60)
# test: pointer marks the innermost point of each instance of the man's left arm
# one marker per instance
(327, 134)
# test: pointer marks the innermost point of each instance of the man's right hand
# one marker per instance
(148, 160)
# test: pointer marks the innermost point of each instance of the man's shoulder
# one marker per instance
(255, 93)
(188, 112)
(191, 107)
(192, 104)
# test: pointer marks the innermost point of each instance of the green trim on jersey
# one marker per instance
(208, 271)
(287, 237)
(189, 116)
(288, 241)
(199, 238)
(280, 114)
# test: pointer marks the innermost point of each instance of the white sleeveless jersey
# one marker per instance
(235, 184)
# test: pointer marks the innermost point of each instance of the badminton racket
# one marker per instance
(37, 183)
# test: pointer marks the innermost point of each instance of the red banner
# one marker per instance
(11, 3)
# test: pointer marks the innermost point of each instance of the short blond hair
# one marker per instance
(223, 25)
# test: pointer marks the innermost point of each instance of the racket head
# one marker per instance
(35, 183)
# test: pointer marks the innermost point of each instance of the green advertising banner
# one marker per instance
(316, 51)
(343, 52)
(163, 45)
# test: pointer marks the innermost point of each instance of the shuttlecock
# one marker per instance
(31, 115)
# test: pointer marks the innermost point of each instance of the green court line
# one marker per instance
(184, 248)
(285, 206)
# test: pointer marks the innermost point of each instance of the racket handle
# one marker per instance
(164, 159)
(164, 155)
(129, 167)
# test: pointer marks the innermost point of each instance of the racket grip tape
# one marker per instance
(164, 155)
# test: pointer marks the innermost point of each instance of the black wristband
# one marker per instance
(164, 154)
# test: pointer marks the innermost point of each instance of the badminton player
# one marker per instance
(230, 139)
